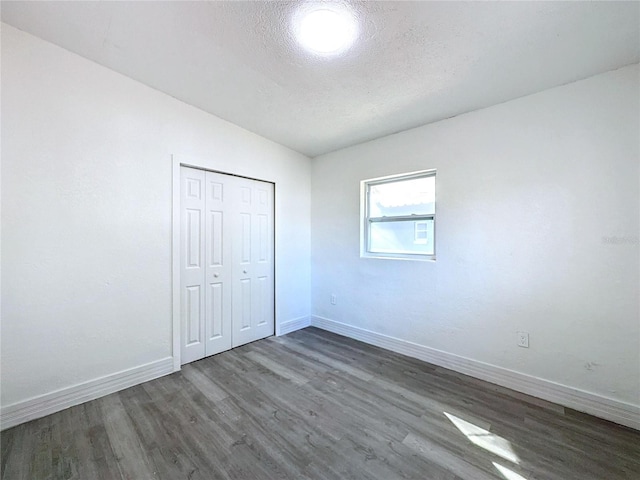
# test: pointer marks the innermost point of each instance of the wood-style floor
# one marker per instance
(314, 405)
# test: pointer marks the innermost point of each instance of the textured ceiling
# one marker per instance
(413, 63)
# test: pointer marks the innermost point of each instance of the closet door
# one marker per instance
(227, 262)
(218, 271)
(253, 262)
(192, 264)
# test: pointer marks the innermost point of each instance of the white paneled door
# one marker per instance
(227, 267)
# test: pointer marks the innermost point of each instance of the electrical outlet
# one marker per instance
(333, 299)
(523, 339)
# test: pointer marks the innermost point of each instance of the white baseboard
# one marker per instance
(36, 407)
(603, 407)
(293, 325)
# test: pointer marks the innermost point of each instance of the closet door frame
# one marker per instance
(201, 164)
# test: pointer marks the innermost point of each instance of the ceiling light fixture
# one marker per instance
(326, 31)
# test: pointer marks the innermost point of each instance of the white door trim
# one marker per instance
(203, 164)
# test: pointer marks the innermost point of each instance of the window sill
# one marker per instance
(399, 256)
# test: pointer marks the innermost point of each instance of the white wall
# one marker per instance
(527, 191)
(86, 215)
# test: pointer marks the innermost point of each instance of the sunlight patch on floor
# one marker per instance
(485, 439)
(507, 473)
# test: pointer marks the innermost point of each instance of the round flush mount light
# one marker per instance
(326, 31)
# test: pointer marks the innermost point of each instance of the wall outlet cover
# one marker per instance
(523, 339)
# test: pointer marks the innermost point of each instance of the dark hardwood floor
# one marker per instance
(314, 405)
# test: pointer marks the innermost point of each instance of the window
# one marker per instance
(399, 216)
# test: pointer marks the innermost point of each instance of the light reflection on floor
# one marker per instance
(485, 439)
(508, 474)
(491, 442)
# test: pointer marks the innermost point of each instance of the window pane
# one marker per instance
(400, 237)
(415, 196)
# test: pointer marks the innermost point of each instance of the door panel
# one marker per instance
(215, 328)
(192, 242)
(263, 238)
(193, 315)
(244, 304)
(263, 301)
(215, 234)
(244, 237)
(218, 264)
(253, 263)
(193, 239)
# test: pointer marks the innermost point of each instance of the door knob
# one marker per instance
(244, 271)
(216, 275)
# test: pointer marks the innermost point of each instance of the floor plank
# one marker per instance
(315, 405)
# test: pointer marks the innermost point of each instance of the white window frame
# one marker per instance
(366, 219)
